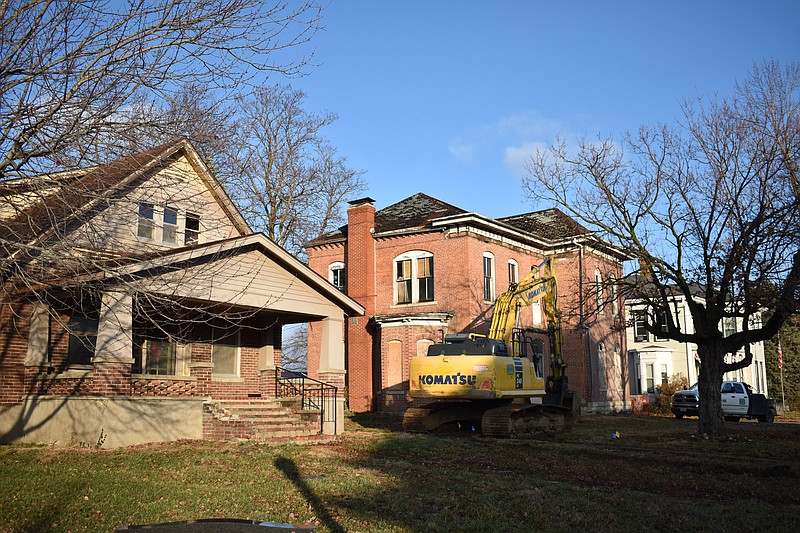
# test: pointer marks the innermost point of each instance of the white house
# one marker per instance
(652, 360)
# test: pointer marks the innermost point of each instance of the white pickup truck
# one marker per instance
(738, 401)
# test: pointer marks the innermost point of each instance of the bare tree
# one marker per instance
(90, 91)
(73, 71)
(295, 348)
(710, 208)
(285, 176)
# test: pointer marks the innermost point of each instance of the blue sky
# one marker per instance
(448, 98)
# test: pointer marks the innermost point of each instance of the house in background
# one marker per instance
(157, 312)
(653, 360)
(423, 268)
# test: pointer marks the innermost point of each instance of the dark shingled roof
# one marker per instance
(550, 224)
(414, 212)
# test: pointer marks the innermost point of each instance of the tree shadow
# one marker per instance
(289, 469)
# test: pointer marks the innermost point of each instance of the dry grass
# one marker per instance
(658, 476)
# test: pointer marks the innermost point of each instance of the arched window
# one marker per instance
(488, 277)
(513, 272)
(336, 275)
(413, 277)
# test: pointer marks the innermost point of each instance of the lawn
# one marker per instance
(659, 475)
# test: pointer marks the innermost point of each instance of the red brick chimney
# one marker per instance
(360, 271)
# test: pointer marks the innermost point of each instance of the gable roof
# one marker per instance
(178, 258)
(61, 198)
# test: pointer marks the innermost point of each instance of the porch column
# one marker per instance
(331, 367)
(113, 354)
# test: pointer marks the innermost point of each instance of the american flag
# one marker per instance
(780, 355)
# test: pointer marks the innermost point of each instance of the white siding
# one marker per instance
(175, 185)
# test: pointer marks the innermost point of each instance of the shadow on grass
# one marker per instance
(289, 469)
(384, 422)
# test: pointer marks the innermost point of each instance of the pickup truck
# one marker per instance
(738, 401)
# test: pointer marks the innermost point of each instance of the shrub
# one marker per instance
(661, 405)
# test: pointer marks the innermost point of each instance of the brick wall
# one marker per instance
(458, 288)
(14, 320)
(361, 287)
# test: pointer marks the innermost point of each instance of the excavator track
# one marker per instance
(525, 420)
(425, 418)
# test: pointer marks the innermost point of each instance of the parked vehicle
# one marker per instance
(738, 401)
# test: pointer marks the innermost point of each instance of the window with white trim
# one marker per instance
(414, 277)
(145, 225)
(513, 272)
(191, 231)
(614, 299)
(640, 333)
(598, 287)
(663, 327)
(728, 326)
(488, 277)
(169, 233)
(336, 275)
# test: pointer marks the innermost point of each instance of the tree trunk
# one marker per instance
(709, 383)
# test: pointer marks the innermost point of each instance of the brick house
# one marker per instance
(159, 313)
(423, 268)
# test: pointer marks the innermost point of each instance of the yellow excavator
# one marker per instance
(497, 382)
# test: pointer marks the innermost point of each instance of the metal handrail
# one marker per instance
(315, 395)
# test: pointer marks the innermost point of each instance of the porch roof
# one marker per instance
(250, 271)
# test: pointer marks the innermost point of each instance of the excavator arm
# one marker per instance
(538, 285)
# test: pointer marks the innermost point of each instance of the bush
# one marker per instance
(661, 405)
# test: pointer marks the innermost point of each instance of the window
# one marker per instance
(639, 331)
(536, 309)
(598, 287)
(663, 326)
(513, 272)
(336, 275)
(651, 386)
(414, 277)
(614, 300)
(488, 277)
(145, 229)
(601, 366)
(664, 375)
(191, 234)
(728, 326)
(170, 228)
(425, 278)
(404, 284)
(225, 352)
(82, 340)
(155, 356)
